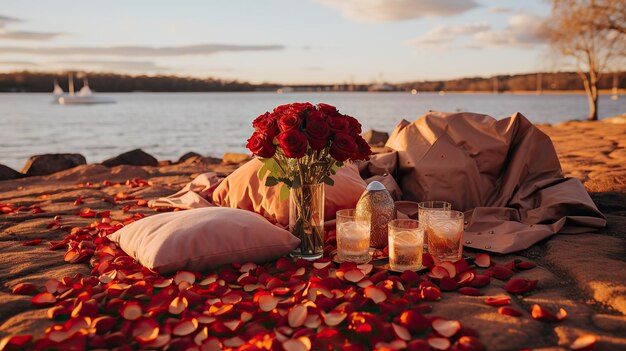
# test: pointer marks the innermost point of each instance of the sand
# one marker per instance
(585, 274)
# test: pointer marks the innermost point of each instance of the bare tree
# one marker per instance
(592, 33)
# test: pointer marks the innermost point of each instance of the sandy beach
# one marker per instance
(584, 274)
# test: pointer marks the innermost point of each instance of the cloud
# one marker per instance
(123, 65)
(500, 9)
(398, 10)
(447, 34)
(19, 63)
(6, 19)
(26, 35)
(145, 51)
(522, 31)
(20, 34)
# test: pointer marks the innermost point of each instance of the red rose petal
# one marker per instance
(525, 265)
(427, 260)
(482, 260)
(431, 294)
(366, 268)
(540, 313)
(466, 278)
(267, 303)
(375, 294)
(519, 285)
(450, 267)
(145, 330)
(498, 301)
(297, 344)
(32, 242)
(438, 272)
(24, 289)
(446, 328)
(131, 311)
(418, 345)
(509, 311)
(44, 299)
(184, 276)
(584, 343)
(354, 275)
(334, 318)
(480, 281)
(16, 342)
(178, 305)
(185, 327)
(439, 343)
(297, 316)
(500, 272)
(468, 343)
(414, 321)
(466, 290)
(401, 332)
(448, 284)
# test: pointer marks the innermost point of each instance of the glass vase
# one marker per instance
(306, 220)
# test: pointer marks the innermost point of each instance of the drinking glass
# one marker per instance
(406, 241)
(444, 233)
(425, 208)
(353, 237)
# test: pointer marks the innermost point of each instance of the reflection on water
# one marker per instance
(170, 124)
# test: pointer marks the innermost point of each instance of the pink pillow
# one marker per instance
(203, 238)
(243, 189)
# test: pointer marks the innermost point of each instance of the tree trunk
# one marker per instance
(591, 88)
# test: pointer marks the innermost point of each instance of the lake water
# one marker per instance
(169, 124)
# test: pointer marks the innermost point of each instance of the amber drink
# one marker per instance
(406, 241)
(444, 233)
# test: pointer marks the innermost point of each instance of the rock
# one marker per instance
(376, 138)
(233, 157)
(135, 157)
(163, 163)
(9, 173)
(202, 160)
(51, 163)
(187, 156)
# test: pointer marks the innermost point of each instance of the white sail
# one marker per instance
(85, 90)
(57, 89)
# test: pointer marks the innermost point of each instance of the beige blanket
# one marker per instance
(504, 174)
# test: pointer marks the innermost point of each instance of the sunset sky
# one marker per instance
(288, 41)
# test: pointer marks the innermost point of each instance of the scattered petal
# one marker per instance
(584, 343)
(509, 311)
(446, 328)
(482, 260)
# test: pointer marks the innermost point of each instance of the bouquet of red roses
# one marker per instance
(301, 146)
(304, 144)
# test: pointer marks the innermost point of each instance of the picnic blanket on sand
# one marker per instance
(505, 175)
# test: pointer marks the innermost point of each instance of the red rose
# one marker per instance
(268, 126)
(290, 121)
(338, 124)
(328, 109)
(261, 145)
(299, 107)
(315, 114)
(363, 149)
(258, 120)
(293, 142)
(343, 147)
(355, 126)
(317, 131)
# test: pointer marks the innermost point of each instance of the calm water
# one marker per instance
(170, 124)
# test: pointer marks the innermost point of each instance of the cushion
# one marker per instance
(243, 189)
(203, 238)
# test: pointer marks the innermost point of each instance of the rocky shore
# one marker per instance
(584, 274)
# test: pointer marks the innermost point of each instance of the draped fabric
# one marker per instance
(505, 175)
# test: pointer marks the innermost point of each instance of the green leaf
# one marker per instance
(263, 171)
(272, 165)
(271, 181)
(284, 192)
(328, 181)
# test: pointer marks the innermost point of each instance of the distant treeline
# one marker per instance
(109, 82)
(518, 82)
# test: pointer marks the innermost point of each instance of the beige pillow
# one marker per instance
(243, 189)
(203, 238)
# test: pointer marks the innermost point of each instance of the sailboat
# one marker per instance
(84, 96)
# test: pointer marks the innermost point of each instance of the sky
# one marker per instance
(281, 41)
